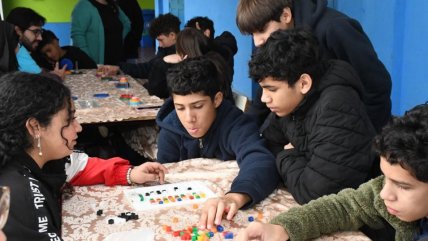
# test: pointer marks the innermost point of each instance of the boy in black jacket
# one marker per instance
(319, 128)
(339, 37)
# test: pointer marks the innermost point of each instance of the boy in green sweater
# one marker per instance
(399, 197)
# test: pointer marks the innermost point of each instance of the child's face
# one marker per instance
(261, 37)
(285, 22)
(52, 137)
(52, 51)
(196, 112)
(279, 97)
(166, 41)
(403, 195)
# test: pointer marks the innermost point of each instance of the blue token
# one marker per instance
(101, 95)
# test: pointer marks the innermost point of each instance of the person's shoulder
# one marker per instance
(232, 116)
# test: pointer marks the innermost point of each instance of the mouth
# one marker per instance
(392, 211)
(192, 130)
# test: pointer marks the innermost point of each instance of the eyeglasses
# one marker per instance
(4, 205)
(36, 32)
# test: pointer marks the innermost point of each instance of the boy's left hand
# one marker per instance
(263, 232)
(148, 172)
(214, 208)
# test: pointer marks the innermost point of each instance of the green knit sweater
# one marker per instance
(346, 211)
(87, 29)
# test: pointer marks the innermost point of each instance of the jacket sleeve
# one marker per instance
(347, 40)
(335, 154)
(347, 211)
(84, 61)
(79, 26)
(140, 70)
(83, 170)
(156, 84)
(258, 176)
(168, 147)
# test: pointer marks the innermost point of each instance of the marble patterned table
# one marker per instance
(91, 109)
(80, 221)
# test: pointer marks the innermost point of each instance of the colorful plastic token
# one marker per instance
(101, 95)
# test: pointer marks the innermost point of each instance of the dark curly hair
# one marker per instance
(164, 24)
(286, 55)
(404, 141)
(194, 75)
(24, 96)
(204, 24)
(253, 15)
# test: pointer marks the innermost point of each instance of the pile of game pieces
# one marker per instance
(194, 234)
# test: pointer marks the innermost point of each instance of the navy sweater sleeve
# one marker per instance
(168, 147)
(258, 176)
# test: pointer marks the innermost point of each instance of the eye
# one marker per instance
(198, 106)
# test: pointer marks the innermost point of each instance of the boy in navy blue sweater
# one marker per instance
(196, 122)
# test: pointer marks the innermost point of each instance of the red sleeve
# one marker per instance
(97, 171)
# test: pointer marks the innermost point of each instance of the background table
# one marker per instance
(80, 221)
(109, 109)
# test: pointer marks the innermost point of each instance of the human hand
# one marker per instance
(214, 208)
(59, 72)
(109, 70)
(263, 232)
(148, 172)
(288, 146)
(173, 58)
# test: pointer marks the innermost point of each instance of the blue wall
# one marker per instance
(397, 29)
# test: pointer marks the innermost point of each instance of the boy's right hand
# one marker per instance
(263, 232)
(109, 70)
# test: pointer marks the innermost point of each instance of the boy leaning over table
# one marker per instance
(399, 196)
(196, 122)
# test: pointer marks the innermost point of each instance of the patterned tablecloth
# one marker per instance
(92, 109)
(80, 221)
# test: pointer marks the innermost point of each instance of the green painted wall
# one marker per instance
(56, 11)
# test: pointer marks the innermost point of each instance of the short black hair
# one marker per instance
(204, 23)
(404, 141)
(164, 24)
(47, 38)
(25, 18)
(286, 55)
(194, 75)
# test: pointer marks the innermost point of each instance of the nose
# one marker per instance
(265, 97)
(259, 39)
(190, 116)
(387, 192)
(39, 37)
(77, 126)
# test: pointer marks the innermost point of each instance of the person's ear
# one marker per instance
(286, 18)
(173, 35)
(207, 33)
(19, 31)
(218, 98)
(304, 83)
(33, 127)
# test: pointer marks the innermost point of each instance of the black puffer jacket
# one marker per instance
(341, 37)
(331, 134)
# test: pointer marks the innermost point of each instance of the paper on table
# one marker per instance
(145, 234)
